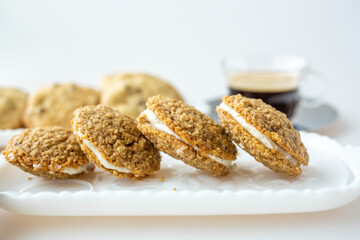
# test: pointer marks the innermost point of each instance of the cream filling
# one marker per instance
(268, 143)
(100, 158)
(68, 170)
(79, 169)
(159, 125)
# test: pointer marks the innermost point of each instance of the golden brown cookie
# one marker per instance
(54, 104)
(51, 152)
(128, 92)
(112, 141)
(12, 105)
(264, 133)
(187, 134)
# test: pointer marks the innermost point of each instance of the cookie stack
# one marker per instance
(189, 135)
(105, 136)
(117, 143)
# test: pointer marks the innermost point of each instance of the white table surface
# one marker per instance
(48, 41)
(335, 224)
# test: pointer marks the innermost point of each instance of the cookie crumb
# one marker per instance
(30, 178)
(174, 188)
(162, 179)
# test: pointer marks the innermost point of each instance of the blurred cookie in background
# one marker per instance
(129, 92)
(12, 105)
(54, 104)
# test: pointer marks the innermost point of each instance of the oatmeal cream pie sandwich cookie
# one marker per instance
(188, 135)
(112, 141)
(51, 152)
(264, 133)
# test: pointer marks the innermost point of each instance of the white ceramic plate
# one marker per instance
(331, 180)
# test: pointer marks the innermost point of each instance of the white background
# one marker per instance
(183, 42)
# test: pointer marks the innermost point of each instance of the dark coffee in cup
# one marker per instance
(280, 90)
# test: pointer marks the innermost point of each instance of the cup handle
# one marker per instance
(311, 89)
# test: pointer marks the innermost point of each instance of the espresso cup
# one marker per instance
(281, 81)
